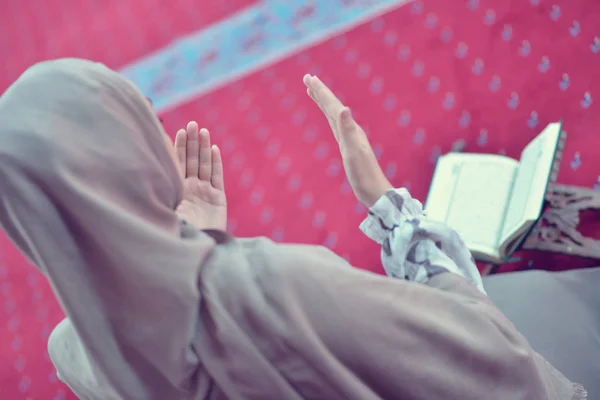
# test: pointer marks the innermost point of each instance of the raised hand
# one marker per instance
(362, 169)
(204, 202)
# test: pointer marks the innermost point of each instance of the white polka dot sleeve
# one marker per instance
(414, 247)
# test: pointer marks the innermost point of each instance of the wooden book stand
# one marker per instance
(557, 230)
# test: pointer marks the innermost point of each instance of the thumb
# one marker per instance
(346, 121)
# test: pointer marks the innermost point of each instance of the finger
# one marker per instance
(323, 94)
(347, 123)
(191, 169)
(311, 90)
(314, 98)
(344, 125)
(204, 154)
(330, 118)
(216, 179)
(180, 149)
(327, 95)
(329, 104)
(306, 80)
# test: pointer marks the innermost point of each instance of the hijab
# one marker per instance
(88, 195)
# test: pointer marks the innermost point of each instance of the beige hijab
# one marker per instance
(88, 195)
(158, 310)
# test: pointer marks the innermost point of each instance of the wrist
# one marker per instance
(371, 194)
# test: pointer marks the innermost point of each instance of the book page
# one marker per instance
(470, 193)
(532, 178)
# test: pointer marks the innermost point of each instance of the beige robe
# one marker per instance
(159, 310)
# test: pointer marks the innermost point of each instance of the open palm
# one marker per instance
(204, 202)
(362, 168)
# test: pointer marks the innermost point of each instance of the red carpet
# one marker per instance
(485, 74)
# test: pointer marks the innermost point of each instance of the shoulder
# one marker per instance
(72, 364)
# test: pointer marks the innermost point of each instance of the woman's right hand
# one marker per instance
(362, 169)
(204, 203)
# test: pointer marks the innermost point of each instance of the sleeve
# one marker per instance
(133, 310)
(414, 247)
(350, 334)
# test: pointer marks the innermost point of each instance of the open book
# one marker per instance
(494, 201)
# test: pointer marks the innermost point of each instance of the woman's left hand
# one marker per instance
(204, 202)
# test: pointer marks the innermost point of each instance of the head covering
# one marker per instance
(88, 192)
(160, 311)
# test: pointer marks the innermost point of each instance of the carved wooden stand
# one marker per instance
(557, 229)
